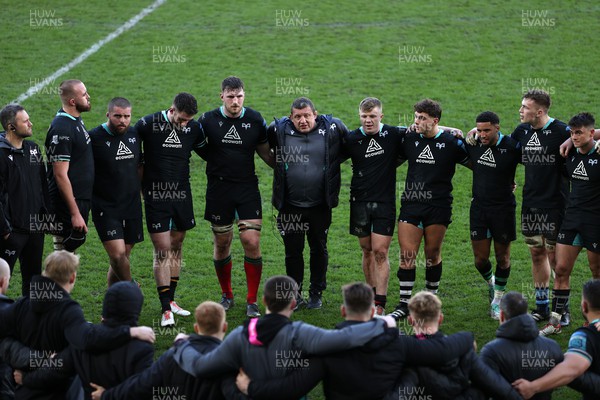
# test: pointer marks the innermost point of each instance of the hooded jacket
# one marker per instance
(23, 187)
(122, 306)
(272, 346)
(368, 372)
(334, 130)
(47, 321)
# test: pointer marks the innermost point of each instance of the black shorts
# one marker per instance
(227, 201)
(422, 215)
(131, 230)
(62, 216)
(580, 234)
(368, 217)
(171, 211)
(498, 222)
(541, 221)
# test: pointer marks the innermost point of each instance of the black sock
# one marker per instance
(380, 300)
(433, 275)
(174, 281)
(501, 278)
(165, 297)
(486, 270)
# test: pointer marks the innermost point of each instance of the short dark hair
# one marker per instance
(430, 107)
(9, 113)
(370, 103)
(513, 304)
(185, 102)
(488, 116)
(231, 83)
(591, 294)
(120, 102)
(66, 89)
(302, 102)
(358, 298)
(279, 291)
(582, 119)
(540, 97)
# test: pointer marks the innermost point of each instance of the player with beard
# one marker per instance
(23, 192)
(234, 133)
(492, 214)
(168, 139)
(116, 202)
(71, 167)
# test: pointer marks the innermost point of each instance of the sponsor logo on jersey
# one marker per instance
(172, 141)
(580, 172)
(232, 136)
(534, 141)
(416, 144)
(487, 159)
(426, 157)
(107, 143)
(123, 152)
(374, 149)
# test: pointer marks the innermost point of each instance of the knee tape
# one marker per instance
(536, 241)
(245, 225)
(221, 229)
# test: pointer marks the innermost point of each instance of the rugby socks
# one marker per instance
(560, 301)
(174, 281)
(433, 275)
(223, 269)
(541, 299)
(500, 282)
(406, 277)
(253, 268)
(380, 300)
(165, 297)
(486, 271)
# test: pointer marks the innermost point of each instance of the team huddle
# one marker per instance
(104, 170)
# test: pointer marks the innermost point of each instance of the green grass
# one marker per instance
(477, 56)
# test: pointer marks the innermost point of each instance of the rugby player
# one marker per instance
(168, 138)
(426, 203)
(492, 215)
(234, 133)
(71, 167)
(116, 201)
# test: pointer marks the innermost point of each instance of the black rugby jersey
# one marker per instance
(584, 172)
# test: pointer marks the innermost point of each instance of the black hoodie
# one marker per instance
(23, 188)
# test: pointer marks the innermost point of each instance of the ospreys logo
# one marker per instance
(123, 152)
(172, 141)
(487, 159)
(374, 149)
(426, 157)
(232, 136)
(580, 172)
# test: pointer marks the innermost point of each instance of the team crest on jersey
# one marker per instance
(333, 126)
(246, 126)
(580, 172)
(383, 134)
(232, 136)
(54, 139)
(440, 145)
(592, 162)
(107, 143)
(132, 140)
(220, 124)
(322, 132)
(426, 157)
(547, 132)
(487, 159)
(172, 141)
(123, 152)
(416, 144)
(34, 152)
(10, 157)
(186, 129)
(374, 149)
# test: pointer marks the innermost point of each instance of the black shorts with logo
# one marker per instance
(130, 230)
(422, 215)
(368, 217)
(227, 201)
(168, 208)
(580, 234)
(495, 222)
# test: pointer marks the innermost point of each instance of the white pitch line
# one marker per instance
(94, 48)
